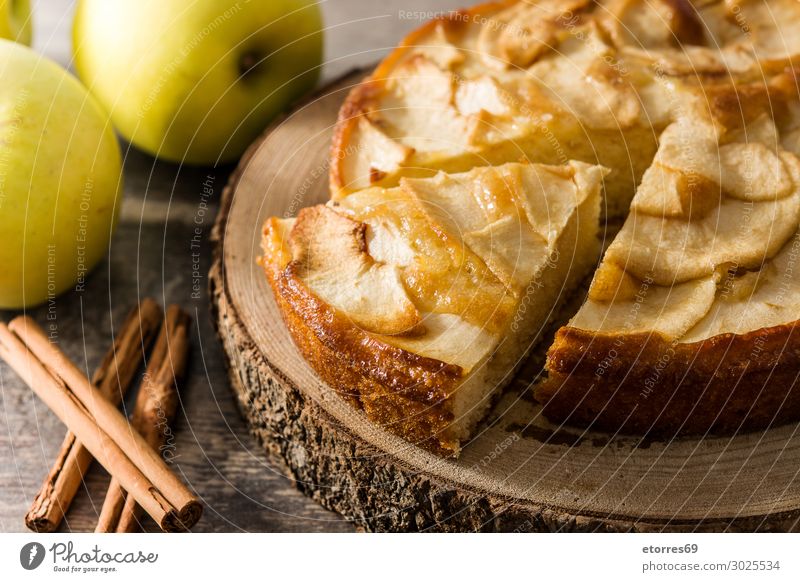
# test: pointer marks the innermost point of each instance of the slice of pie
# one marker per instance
(691, 325)
(417, 303)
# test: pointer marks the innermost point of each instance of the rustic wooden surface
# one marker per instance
(153, 254)
(519, 473)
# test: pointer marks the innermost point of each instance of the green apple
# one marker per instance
(15, 20)
(197, 81)
(60, 177)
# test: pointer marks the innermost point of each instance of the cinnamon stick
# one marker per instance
(154, 411)
(113, 504)
(122, 451)
(112, 378)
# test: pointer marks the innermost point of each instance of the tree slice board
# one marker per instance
(519, 473)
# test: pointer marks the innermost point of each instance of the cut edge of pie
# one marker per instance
(412, 308)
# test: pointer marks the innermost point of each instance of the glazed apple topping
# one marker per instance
(329, 253)
(689, 38)
(518, 35)
(718, 212)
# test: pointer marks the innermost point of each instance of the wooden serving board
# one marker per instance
(518, 474)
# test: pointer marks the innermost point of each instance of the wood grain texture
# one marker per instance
(519, 473)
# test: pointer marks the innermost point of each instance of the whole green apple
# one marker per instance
(60, 176)
(197, 81)
(15, 20)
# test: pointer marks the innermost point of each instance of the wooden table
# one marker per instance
(154, 254)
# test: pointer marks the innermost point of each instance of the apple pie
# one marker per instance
(468, 173)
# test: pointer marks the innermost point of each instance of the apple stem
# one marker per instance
(247, 63)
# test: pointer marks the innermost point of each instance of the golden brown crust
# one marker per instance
(646, 384)
(404, 393)
(354, 106)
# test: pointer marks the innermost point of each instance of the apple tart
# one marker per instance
(465, 177)
(417, 303)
